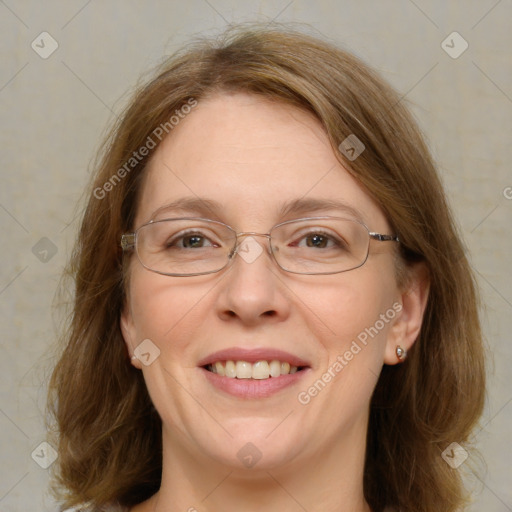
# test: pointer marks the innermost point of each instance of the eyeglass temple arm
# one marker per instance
(384, 238)
(128, 241)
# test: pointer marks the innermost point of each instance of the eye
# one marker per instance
(318, 240)
(190, 240)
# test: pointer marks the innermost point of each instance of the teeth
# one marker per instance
(219, 369)
(230, 369)
(275, 368)
(243, 370)
(259, 370)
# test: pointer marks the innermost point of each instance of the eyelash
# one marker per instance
(338, 242)
(180, 236)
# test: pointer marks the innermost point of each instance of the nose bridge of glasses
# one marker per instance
(244, 235)
(252, 233)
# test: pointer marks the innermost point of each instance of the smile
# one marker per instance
(253, 373)
(258, 370)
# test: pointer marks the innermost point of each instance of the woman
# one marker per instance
(273, 310)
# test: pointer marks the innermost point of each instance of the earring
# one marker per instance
(401, 353)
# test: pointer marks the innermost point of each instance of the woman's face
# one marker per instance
(242, 160)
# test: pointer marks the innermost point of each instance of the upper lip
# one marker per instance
(252, 356)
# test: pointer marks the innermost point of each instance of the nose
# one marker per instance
(253, 292)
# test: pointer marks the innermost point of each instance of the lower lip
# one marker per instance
(253, 388)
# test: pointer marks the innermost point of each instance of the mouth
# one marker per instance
(255, 373)
(259, 370)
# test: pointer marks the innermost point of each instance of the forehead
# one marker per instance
(255, 158)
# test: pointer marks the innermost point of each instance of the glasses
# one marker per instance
(192, 246)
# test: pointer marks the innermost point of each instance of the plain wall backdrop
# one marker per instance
(55, 108)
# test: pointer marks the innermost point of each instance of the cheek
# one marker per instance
(354, 345)
(349, 306)
(353, 319)
(166, 310)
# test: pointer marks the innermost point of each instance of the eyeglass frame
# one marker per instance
(129, 242)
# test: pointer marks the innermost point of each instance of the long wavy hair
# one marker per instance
(106, 429)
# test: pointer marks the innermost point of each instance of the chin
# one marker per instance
(252, 448)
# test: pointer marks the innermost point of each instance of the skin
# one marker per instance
(252, 156)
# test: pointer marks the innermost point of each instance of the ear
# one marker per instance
(413, 302)
(129, 334)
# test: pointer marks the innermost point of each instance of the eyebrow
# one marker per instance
(312, 205)
(187, 205)
(212, 209)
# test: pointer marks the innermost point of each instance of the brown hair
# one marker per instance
(109, 434)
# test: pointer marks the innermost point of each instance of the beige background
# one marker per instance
(55, 110)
